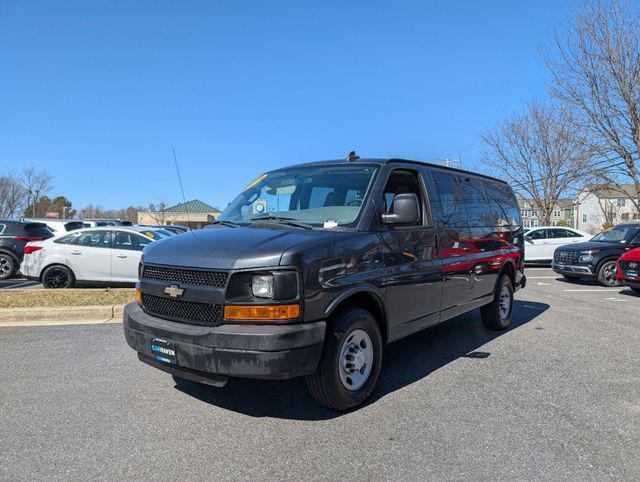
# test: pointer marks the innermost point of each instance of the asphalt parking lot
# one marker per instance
(18, 283)
(557, 396)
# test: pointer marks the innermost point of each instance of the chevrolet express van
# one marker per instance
(312, 269)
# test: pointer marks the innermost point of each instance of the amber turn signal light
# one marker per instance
(138, 296)
(261, 312)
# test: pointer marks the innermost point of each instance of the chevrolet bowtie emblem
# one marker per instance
(174, 291)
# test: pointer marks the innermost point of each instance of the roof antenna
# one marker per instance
(352, 156)
(175, 160)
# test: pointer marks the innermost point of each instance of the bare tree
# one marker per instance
(596, 72)
(35, 184)
(540, 153)
(158, 212)
(12, 196)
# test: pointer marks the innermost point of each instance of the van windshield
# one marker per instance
(322, 196)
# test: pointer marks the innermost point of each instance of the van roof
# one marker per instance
(383, 161)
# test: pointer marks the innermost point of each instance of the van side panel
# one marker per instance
(479, 231)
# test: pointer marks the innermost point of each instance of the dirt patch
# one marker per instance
(72, 297)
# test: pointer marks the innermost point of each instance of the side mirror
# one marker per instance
(528, 239)
(406, 209)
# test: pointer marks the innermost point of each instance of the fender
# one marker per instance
(502, 270)
(364, 288)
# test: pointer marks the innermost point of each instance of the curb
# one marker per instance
(62, 315)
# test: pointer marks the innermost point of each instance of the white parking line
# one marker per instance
(16, 285)
(542, 277)
(603, 290)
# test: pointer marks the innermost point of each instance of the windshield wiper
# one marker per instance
(283, 220)
(226, 223)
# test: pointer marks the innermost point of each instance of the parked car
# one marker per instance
(629, 269)
(94, 223)
(174, 229)
(59, 226)
(541, 242)
(597, 258)
(14, 235)
(105, 255)
(313, 268)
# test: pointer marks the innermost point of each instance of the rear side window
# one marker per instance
(65, 239)
(502, 203)
(38, 230)
(93, 239)
(562, 233)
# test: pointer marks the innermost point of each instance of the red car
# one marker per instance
(629, 269)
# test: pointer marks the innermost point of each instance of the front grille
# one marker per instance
(215, 279)
(183, 311)
(565, 257)
(630, 265)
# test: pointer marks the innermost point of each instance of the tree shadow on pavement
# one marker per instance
(405, 362)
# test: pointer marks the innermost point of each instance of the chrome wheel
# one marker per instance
(609, 273)
(356, 360)
(56, 278)
(505, 302)
(6, 267)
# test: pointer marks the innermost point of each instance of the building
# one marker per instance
(193, 214)
(561, 215)
(599, 207)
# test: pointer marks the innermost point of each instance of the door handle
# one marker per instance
(75, 252)
(122, 255)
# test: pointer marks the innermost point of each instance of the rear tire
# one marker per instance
(497, 314)
(8, 266)
(607, 271)
(350, 363)
(58, 277)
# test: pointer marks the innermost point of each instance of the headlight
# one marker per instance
(587, 256)
(262, 285)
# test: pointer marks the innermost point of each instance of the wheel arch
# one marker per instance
(508, 268)
(366, 297)
(56, 263)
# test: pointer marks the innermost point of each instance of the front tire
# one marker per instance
(58, 277)
(497, 314)
(607, 272)
(8, 266)
(350, 363)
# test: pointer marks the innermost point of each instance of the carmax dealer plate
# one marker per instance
(164, 350)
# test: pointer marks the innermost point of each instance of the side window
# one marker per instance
(66, 239)
(130, 241)
(93, 239)
(572, 234)
(402, 181)
(449, 200)
(537, 234)
(502, 203)
(474, 203)
(561, 233)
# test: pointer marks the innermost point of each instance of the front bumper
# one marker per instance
(577, 270)
(234, 350)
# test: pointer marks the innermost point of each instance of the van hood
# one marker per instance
(224, 247)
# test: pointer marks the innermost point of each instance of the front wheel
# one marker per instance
(607, 274)
(55, 277)
(497, 314)
(350, 362)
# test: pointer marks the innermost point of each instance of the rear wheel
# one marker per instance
(497, 314)
(58, 276)
(350, 363)
(607, 272)
(8, 266)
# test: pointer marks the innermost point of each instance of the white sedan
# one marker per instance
(541, 242)
(103, 255)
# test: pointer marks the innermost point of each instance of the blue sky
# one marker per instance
(98, 92)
